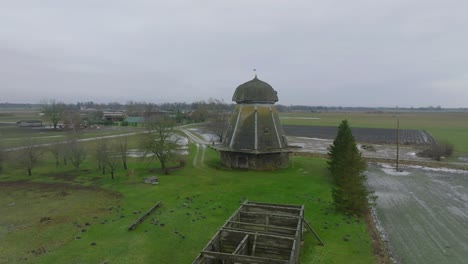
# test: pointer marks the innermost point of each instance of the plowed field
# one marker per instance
(364, 135)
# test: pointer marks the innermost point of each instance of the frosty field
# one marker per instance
(424, 212)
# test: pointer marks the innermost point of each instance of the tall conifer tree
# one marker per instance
(346, 167)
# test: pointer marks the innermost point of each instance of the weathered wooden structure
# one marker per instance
(257, 233)
(255, 138)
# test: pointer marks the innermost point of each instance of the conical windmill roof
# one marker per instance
(255, 91)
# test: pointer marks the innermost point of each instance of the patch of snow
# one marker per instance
(457, 211)
(319, 139)
(439, 169)
(182, 141)
(137, 153)
(391, 170)
(209, 137)
(304, 118)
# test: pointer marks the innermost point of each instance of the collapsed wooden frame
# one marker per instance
(258, 233)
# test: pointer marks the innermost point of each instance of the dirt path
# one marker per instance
(196, 156)
(200, 143)
(424, 213)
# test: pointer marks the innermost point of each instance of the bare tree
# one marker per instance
(123, 150)
(72, 119)
(28, 155)
(101, 151)
(112, 157)
(58, 152)
(161, 141)
(218, 118)
(53, 111)
(77, 153)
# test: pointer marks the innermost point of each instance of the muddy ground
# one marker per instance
(381, 151)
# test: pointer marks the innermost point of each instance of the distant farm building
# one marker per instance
(258, 233)
(114, 115)
(255, 138)
(29, 123)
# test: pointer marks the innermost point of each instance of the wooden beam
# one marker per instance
(264, 226)
(139, 220)
(291, 206)
(254, 244)
(313, 231)
(273, 207)
(242, 258)
(243, 231)
(275, 215)
(259, 232)
(241, 244)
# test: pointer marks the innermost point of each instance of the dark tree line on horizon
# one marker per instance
(132, 106)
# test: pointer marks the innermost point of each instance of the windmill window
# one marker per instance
(266, 130)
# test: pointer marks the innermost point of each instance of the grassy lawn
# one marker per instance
(15, 116)
(451, 127)
(196, 202)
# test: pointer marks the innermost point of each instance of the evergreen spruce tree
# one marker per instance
(346, 167)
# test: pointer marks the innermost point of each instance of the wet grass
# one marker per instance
(196, 202)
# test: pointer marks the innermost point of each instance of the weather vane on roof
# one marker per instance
(255, 71)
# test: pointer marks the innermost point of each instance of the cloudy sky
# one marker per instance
(322, 52)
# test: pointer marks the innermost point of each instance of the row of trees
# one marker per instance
(108, 153)
(346, 167)
(56, 112)
(160, 141)
(213, 109)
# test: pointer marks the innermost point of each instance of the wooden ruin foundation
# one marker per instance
(257, 233)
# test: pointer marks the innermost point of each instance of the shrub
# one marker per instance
(437, 151)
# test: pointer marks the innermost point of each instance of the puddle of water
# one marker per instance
(181, 141)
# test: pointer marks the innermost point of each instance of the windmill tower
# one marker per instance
(255, 138)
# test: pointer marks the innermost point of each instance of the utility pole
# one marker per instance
(398, 144)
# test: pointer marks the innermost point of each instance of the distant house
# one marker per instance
(114, 115)
(29, 123)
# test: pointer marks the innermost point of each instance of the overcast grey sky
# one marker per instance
(322, 52)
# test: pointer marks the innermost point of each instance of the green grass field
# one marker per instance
(13, 136)
(15, 116)
(451, 127)
(196, 202)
